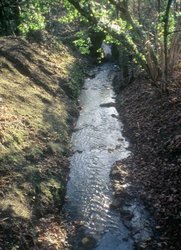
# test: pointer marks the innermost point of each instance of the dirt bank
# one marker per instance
(152, 124)
(38, 89)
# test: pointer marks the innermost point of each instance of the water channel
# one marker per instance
(97, 144)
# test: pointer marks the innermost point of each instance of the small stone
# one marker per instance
(116, 174)
(85, 241)
(79, 151)
(79, 223)
(88, 242)
(115, 116)
(115, 203)
(143, 246)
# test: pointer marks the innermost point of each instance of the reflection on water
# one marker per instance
(97, 143)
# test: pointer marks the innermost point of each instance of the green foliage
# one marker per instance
(31, 20)
(33, 13)
(71, 14)
(9, 15)
(83, 42)
(138, 25)
(24, 15)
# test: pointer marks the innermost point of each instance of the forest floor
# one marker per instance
(38, 89)
(152, 123)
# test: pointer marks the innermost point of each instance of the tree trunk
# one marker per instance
(175, 49)
(16, 12)
(159, 6)
(166, 31)
(139, 11)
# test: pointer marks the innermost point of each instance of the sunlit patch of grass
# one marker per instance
(24, 116)
(42, 184)
(31, 118)
(16, 204)
(50, 190)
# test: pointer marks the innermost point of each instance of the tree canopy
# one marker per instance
(150, 30)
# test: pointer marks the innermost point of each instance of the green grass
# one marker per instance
(34, 129)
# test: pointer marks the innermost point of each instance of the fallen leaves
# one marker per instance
(153, 126)
(52, 234)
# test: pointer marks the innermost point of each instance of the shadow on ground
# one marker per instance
(38, 93)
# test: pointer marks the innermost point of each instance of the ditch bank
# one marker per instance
(38, 89)
(152, 124)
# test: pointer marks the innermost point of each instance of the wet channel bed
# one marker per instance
(98, 144)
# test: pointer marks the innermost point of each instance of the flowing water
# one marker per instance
(97, 144)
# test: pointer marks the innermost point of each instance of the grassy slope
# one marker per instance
(38, 87)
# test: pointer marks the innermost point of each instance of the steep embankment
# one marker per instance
(38, 87)
(152, 123)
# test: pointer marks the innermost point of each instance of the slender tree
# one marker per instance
(166, 31)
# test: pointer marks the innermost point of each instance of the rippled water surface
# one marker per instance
(98, 143)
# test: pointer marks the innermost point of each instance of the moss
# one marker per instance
(34, 129)
(16, 203)
(55, 148)
(28, 111)
(50, 190)
(76, 76)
